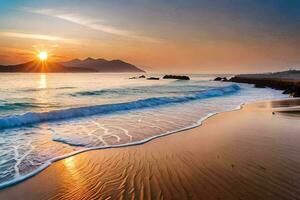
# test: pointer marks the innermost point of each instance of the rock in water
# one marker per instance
(221, 79)
(224, 79)
(218, 79)
(176, 77)
(153, 78)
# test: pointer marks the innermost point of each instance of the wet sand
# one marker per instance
(251, 153)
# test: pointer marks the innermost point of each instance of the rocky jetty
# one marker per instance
(288, 81)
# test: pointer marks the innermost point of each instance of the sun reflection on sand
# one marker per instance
(42, 81)
(70, 163)
(74, 176)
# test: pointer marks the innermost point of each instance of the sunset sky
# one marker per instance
(207, 36)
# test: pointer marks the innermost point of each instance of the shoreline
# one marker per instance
(153, 140)
(44, 166)
(141, 142)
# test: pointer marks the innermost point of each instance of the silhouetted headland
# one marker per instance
(76, 65)
(38, 67)
(102, 65)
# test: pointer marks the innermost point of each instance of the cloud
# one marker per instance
(36, 36)
(31, 36)
(92, 24)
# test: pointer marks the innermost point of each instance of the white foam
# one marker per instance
(39, 117)
(143, 140)
(48, 163)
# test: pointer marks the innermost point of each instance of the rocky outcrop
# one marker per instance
(218, 79)
(153, 78)
(221, 79)
(142, 76)
(176, 77)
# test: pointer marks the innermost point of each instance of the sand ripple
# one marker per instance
(248, 154)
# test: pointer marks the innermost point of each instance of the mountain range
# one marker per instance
(76, 65)
(102, 65)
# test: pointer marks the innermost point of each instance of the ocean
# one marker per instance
(47, 117)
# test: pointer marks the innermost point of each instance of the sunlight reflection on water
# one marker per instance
(42, 81)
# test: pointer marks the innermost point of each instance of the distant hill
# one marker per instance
(102, 65)
(76, 65)
(37, 67)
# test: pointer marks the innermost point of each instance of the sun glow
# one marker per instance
(43, 55)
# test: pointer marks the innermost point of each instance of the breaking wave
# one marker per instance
(31, 118)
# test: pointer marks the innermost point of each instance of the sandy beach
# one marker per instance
(182, 99)
(251, 153)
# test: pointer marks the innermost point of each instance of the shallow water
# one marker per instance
(47, 116)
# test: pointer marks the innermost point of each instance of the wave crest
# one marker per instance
(39, 117)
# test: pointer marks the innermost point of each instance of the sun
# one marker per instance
(43, 55)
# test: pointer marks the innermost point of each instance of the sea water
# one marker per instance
(46, 117)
